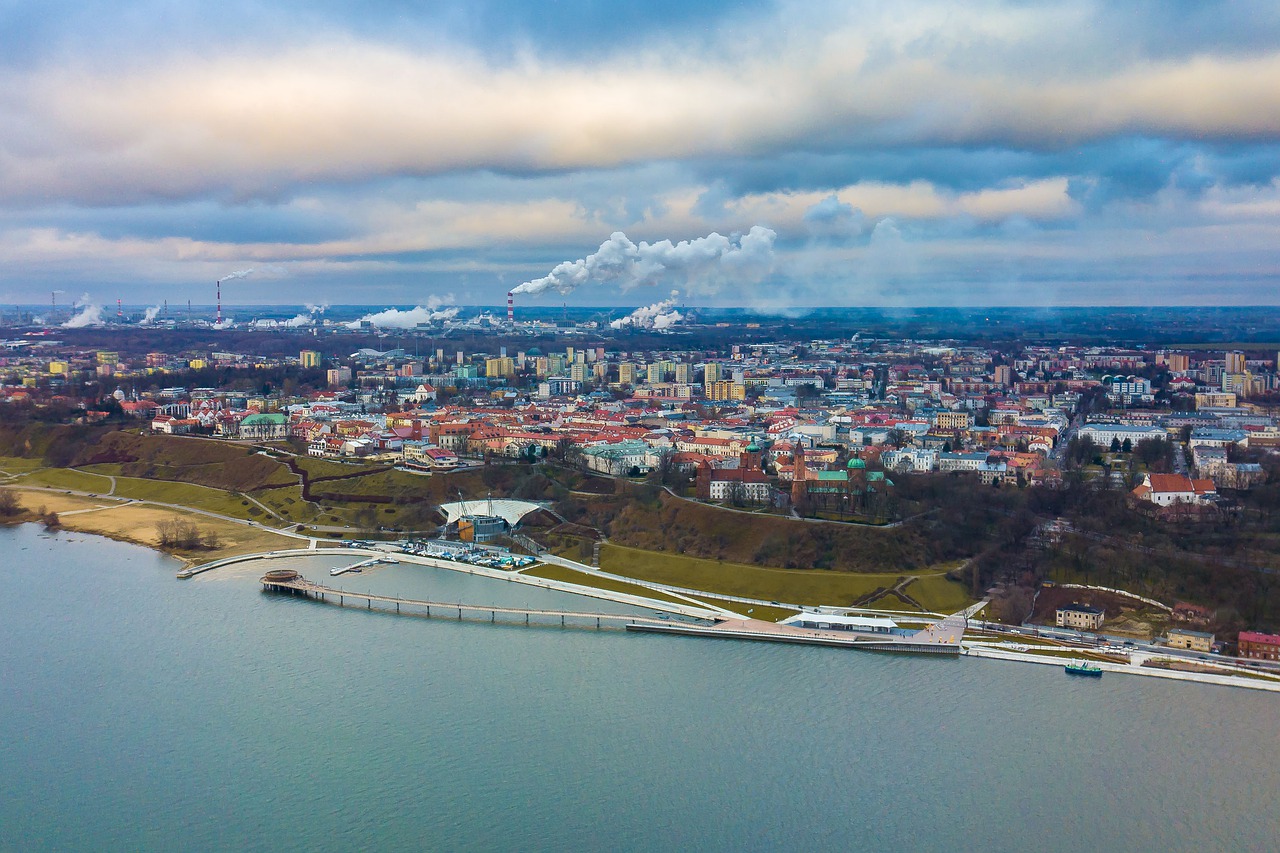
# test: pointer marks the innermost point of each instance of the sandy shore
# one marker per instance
(136, 523)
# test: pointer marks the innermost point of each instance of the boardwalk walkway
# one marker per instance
(410, 606)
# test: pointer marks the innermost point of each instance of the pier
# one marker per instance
(363, 564)
(291, 583)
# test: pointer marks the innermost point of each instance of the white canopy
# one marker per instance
(509, 510)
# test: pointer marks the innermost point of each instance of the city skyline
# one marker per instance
(1000, 154)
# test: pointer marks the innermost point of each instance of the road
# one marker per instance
(1064, 635)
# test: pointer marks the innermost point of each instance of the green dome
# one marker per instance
(855, 462)
(753, 448)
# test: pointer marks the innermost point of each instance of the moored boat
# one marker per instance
(1081, 667)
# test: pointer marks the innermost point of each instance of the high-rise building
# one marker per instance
(499, 367)
(309, 358)
(723, 389)
(1235, 362)
(626, 373)
(712, 373)
(682, 373)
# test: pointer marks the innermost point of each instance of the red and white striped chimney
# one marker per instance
(511, 307)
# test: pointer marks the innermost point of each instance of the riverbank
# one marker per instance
(137, 522)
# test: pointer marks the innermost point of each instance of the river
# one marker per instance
(143, 713)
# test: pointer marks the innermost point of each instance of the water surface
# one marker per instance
(144, 713)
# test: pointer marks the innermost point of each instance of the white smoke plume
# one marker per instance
(705, 262)
(659, 315)
(307, 319)
(237, 274)
(434, 311)
(151, 314)
(89, 314)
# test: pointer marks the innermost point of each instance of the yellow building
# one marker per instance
(56, 367)
(1196, 641)
(105, 357)
(197, 364)
(502, 366)
(725, 389)
(1082, 617)
(1215, 399)
(626, 373)
(952, 420)
(309, 358)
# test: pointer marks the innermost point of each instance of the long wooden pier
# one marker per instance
(444, 609)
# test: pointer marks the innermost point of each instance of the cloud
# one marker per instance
(832, 218)
(235, 120)
(703, 263)
(372, 151)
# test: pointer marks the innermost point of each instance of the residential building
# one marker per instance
(1183, 638)
(309, 358)
(723, 389)
(1081, 617)
(1257, 646)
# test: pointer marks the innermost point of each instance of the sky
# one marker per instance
(773, 155)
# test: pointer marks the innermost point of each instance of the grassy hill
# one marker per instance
(221, 465)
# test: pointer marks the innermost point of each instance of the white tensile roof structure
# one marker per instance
(509, 510)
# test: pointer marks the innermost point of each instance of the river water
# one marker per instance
(140, 713)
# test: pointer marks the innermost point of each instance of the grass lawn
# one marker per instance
(939, 593)
(66, 478)
(18, 464)
(186, 494)
(561, 573)
(763, 612)
(795, 586)
(327, 468)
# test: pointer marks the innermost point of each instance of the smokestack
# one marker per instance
(119, 310)
(511, 308)
(219, 320)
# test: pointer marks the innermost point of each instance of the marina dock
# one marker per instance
(363, 564)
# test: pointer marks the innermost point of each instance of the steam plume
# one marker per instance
(659, 315)
(707, 261)
(89, 315)
(434, 311)
(150, 316)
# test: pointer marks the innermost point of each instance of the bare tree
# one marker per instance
(9, 503)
